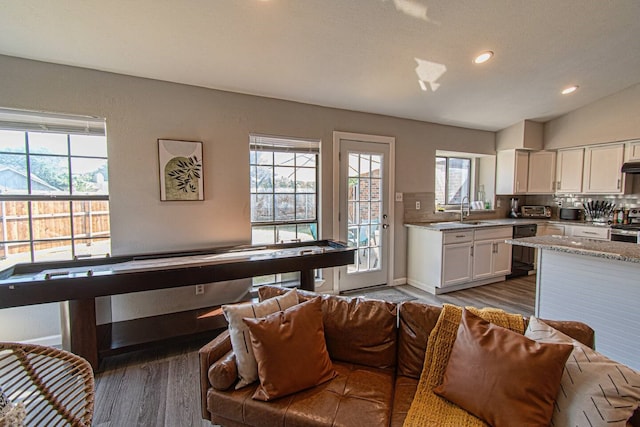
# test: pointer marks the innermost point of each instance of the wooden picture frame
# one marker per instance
(181, 170)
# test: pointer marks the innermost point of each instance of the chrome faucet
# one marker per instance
(464, 214)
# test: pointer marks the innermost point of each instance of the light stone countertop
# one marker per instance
(472, 224)
(619, 251)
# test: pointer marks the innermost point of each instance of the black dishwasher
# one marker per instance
(522, 257)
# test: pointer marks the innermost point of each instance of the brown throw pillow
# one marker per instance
(501, 376)
(290, 349)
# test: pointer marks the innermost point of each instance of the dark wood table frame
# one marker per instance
(20, 287)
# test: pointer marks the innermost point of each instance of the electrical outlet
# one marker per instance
(498, 203)
(417, 205)
(199, 289)
(398, 197)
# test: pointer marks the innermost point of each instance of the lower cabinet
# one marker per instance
(444, 261)
(456, 263)
(491, 255)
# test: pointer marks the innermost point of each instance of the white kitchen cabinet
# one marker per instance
(491, 255)
(522, 172)
(602, 165)
(632, 151)
(550, 230)
(569, 172)
(541, 174)
(443, 261)
(456, 263)
(597, 233)
(512, 171)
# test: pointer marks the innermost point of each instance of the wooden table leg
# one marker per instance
(307, 280)
(82, 330)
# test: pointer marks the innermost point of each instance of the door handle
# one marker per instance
(385, 226)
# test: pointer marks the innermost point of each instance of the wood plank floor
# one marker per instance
(160, 387)
(515, 295)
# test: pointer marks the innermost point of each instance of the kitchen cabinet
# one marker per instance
(491, 255)
(456, 263)
(632, 151)
(542, 168)
(569, 171)
(512, 172)
(443, 261)
(550, 230)
(589, 232)
(524, 172)
(602, 165)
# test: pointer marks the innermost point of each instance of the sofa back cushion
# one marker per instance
(357, 330)
(416, 320)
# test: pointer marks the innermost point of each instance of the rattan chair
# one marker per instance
(55, 386)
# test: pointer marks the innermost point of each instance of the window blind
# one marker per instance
(36, 121)
(275, 143)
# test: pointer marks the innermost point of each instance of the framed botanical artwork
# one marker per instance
(180, 170)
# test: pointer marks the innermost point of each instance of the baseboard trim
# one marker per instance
(400, 281)
(49, 341)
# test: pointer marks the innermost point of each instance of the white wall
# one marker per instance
(139, 111)
(613, 118)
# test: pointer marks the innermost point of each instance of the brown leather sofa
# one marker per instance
(378, 350)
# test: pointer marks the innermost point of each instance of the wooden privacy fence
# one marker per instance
(51, 224)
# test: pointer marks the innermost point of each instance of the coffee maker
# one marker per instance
(515, 208)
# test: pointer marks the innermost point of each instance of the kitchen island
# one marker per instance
(595, 282)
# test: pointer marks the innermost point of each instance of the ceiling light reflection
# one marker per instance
(483, 57)
(570, 89)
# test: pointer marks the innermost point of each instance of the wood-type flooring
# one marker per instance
(160, 387)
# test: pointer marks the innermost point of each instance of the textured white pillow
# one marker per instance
(594, 391)
(239, 331)
(11, 415)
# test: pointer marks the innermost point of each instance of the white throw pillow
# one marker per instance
(594, 391)
(10, 415)
(239, 331)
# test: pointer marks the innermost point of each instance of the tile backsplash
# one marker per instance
(427, 213)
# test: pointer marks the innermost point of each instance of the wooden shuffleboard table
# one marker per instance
(80, 282)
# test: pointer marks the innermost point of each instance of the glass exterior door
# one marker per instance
(363, 212)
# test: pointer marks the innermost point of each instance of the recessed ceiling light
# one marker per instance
(570, 89)
(483, 57)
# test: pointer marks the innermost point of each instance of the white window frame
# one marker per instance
(29, 122)
(279, 144)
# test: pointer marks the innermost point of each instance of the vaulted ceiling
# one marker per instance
(403, 58)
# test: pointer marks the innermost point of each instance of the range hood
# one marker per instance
(631, 167)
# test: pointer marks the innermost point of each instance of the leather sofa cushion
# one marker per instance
(416, 320)
(359, 395)
(290, 349)
(357, 330)
(405, 390)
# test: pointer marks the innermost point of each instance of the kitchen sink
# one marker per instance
(454, 224)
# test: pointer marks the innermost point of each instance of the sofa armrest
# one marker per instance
(209, 354)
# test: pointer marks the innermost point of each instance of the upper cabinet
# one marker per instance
(524, 172)
(569, 170)
(633, 151)
(602, 169)
(542, 166)
(512, 172)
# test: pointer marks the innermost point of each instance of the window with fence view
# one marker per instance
(54, 196)
(284, 193)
